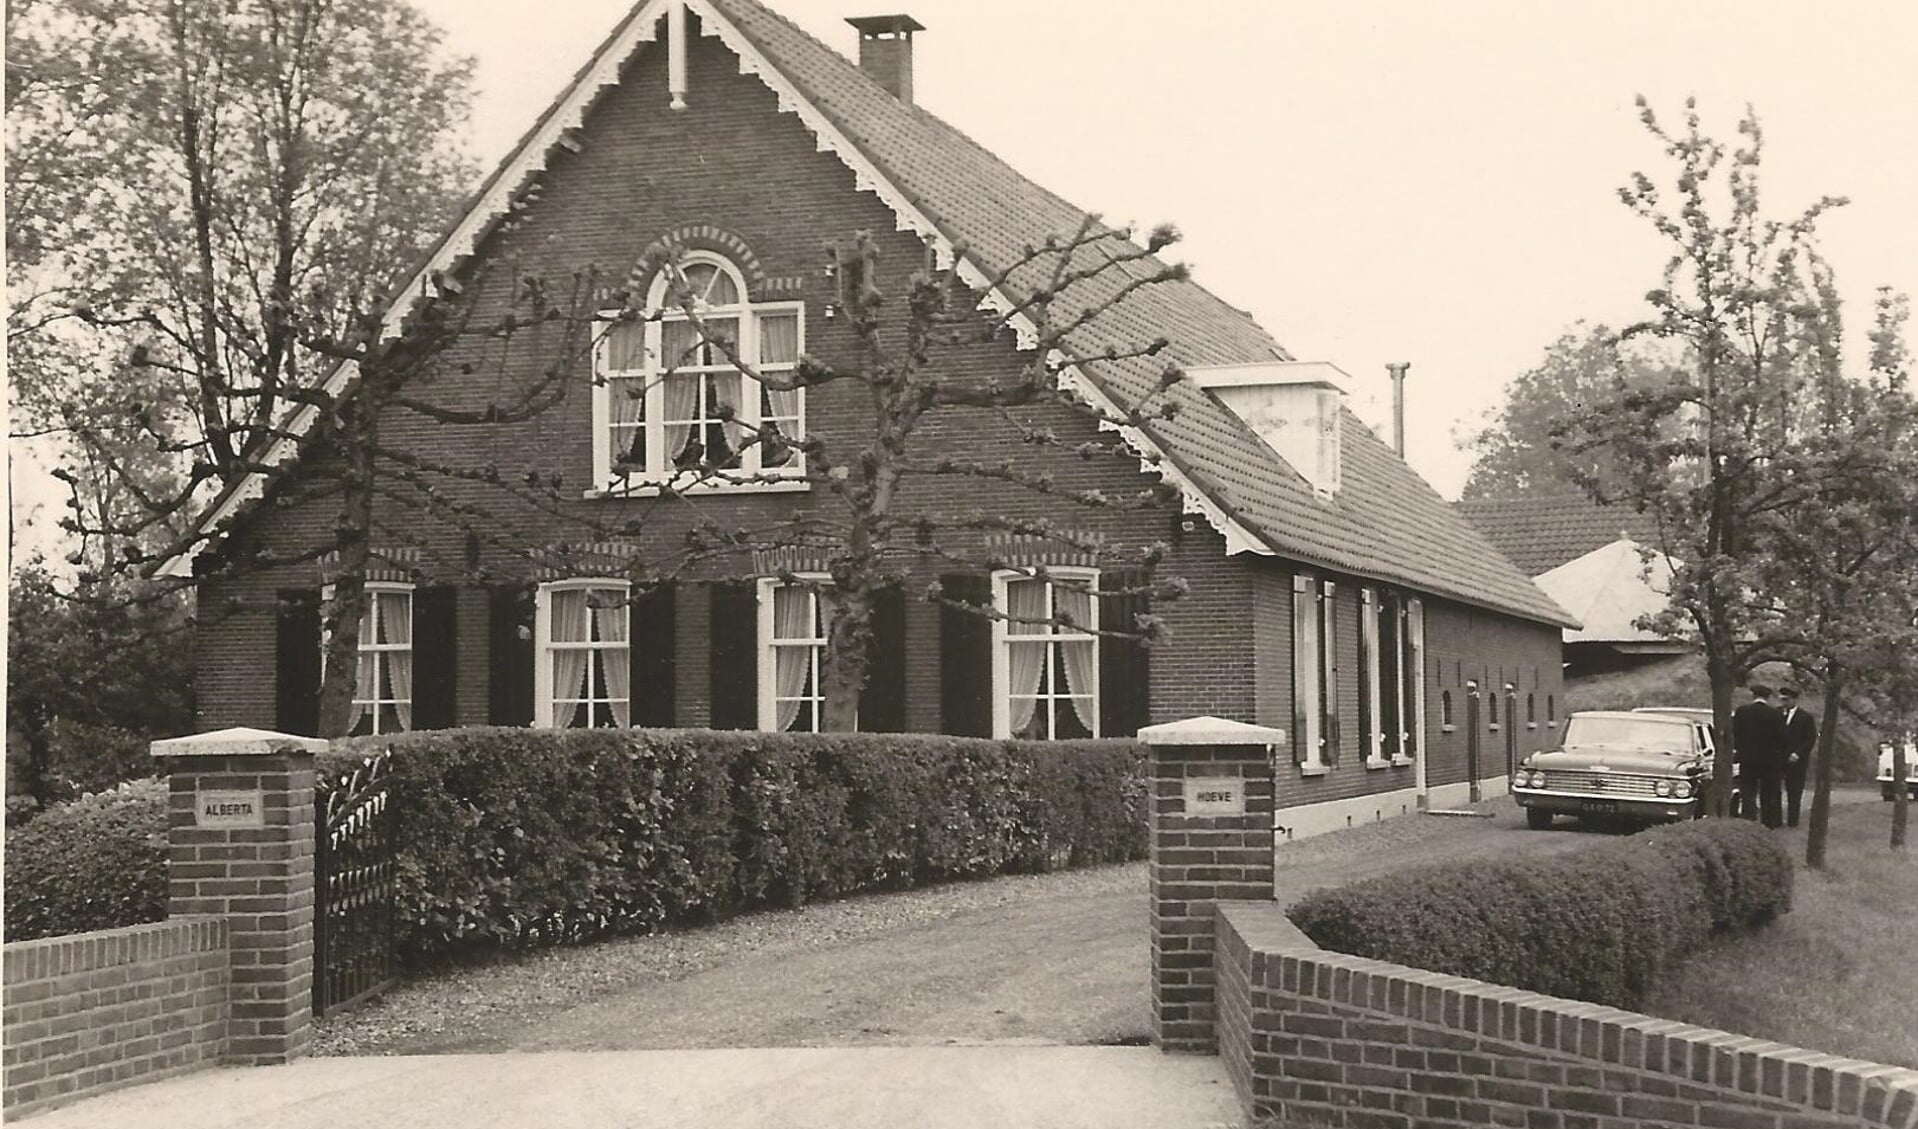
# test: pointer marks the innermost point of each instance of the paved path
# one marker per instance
(791, 1088)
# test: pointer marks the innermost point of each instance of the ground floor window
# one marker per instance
(792, 632)
(1046, 655)
(383, 683)
(583, 678)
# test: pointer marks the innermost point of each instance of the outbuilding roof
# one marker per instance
(1544, 529)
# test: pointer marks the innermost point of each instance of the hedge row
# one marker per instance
(1605, 925)
(523, 836)
(97, 862)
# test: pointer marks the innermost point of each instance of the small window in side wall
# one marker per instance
(792, 637)
(1046, 673)
(1445, 707)
(383, 686)
(1531, 709)
(583, 678)
(1492, 715)
(1551, 707)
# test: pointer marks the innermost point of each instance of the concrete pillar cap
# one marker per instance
(237, 742)
(1211, 731)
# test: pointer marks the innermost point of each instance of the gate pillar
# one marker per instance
(1212, 823)
(240, 844)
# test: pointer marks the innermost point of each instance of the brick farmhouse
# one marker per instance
(1331, 592)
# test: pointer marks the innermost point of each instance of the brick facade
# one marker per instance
(639, 174)
(1323, 1038)
(93, 1011)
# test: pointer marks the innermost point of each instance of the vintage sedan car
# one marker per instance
(1885, 787)
(1619, 765)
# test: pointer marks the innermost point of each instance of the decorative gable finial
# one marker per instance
(676, 53)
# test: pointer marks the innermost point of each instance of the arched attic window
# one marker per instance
(673, 395)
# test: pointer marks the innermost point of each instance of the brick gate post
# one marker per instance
(1212, 818)
(240, 844)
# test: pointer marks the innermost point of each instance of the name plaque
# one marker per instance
(1214, 795)
(229, 809)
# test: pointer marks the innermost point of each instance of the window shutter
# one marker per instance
(1368, 673)
(882, 704)
(435, 658)
(296, 670)
(735, 666)
(1329, 681)
(652, 671)
(1125, 665)
(965, 657)
(510, 656)
(1305, 618)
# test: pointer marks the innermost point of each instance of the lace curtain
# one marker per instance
(1025, 600)
(793, 618)
(609, 626)
(396, 627)
(571, 623)
(1076, 604)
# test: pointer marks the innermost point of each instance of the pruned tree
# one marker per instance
(876, 517)
(1746, 298)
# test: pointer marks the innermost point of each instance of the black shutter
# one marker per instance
(735, 659)
(1125, 665)
(882, 704)
(652, 666)
(510, 656)
(435, 658)
(965, 657)
(296, 668)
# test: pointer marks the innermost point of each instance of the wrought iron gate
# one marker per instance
(353, 884)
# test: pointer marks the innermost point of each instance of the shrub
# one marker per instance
(1604, 925)
(523, 836)
(97, 862)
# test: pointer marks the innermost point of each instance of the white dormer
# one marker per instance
(1292, 405)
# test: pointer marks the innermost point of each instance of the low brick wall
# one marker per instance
(1309, 1034)
(91, 1011)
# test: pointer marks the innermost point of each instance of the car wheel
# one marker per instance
(1538, 819)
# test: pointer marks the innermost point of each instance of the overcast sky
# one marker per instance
(1427, 182)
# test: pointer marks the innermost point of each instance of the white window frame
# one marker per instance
(1371, 602)
(659, 469)
(818, 584)
(544, 647)
(1413, 735)
(1002, 638)
(1308, 664)
(369, 612)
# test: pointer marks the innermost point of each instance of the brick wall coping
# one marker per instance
(1216, 731)
(1283, 955)
(75, 953)
(237, 742)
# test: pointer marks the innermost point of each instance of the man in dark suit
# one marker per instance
(1801, 737)
(1758, 741)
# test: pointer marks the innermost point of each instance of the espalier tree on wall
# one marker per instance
(860, 528)
(1748, 303)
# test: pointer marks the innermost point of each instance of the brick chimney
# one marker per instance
(885, 51)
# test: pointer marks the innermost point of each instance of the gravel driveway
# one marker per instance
(1056, 958)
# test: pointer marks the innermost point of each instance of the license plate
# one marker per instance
(1599, 806)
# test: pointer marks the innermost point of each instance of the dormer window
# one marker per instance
(669, 401)
(1294, 406)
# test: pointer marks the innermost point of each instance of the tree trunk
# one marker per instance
(1817, 831)
(1900, 792)
(1721, 675)
(848, 643)
(341, 613)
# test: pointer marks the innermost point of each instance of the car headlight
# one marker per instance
(1527, 778)
(1682, 790)
(1662, 788)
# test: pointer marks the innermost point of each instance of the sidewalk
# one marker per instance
(1019, 1087)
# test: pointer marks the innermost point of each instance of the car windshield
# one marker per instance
(1649, 733)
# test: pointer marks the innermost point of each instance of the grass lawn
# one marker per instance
(1834, 975)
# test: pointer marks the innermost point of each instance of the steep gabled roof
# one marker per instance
(1384, 523)
(1544, 529)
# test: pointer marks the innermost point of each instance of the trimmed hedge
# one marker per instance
(97, 862)
(511, 837)
(1604, 925)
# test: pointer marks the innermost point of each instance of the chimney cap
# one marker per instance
(900, 24)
